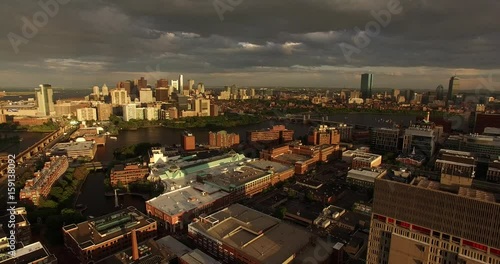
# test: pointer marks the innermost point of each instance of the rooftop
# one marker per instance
(265, 238)
(107, 227)
(186, 199)
(29, 254)
(149, 253)
(365, 174)
(73, 146)
(198, 257)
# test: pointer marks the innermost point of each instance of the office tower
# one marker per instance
(252, 92)
(440, 92)
(95, 90)
(104, 111)
(44, 99)
(175, 85)
(457, 168)
(395, 93)
(119, 97)
(146, 95)
(141, 83)
(366, 85)
(202, 107)
(129, 112)
(201, 88)
(188, 141)
(190, 84)
(128, 86)
(453, 85)
(161, 83)
(162, 94)
(104, 90)
(86, 114)
(421, 138)
(181, 82)
(417, 220)
(385, 139)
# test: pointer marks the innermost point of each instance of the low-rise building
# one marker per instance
(103, 236)
(125, 174)
(177, 208)
(238, 234)
(41, 184)
(364, 177)
(361, 159)
(276, 135)
(75, 149)
(32, 253)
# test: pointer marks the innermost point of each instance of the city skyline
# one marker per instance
(239, 47)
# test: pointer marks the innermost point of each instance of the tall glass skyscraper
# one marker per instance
(366, 85)
(440, 92)
(452, 86)
(44, 99)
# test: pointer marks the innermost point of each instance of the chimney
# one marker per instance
(135, 249)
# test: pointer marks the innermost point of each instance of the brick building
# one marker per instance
(125, 174)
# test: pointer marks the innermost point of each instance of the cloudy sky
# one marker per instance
(304, 43)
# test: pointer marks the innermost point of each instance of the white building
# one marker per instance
(86, 114)
(175, 85)
(95, 90)
(139, 113)
(146, 95)
(129, 112)
(151, 113)
(119, 97)
(105, 90)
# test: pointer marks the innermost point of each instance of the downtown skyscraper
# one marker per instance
(453, 85)
(44, 99)
(366, 85)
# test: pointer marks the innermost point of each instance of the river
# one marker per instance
(93, 189)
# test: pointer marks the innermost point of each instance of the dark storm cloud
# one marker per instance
(102, 40)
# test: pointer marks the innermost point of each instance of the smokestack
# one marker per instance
(428, 116)
(135, 248)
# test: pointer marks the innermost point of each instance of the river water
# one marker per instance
(93, 189)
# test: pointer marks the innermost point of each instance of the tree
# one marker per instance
(281, 212)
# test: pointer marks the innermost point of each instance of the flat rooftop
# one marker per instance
(149, 253)
(365, 174)
(198, 257)
(29, 254)
(186, 199)
(265, 238)
(73, 146)
(107, 227)
(291, 158)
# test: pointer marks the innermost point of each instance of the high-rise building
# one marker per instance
(173, 113)
(151, 113)
(453, 85)
(161, 83)
(139, 113)
(188, 141)
(175, 85)
(119, 97)
(222, 139)
(146, 95)
(440, 92)
(162, 94)
(86, 114)
(417, 220)
(214, 110)
(95, 90)
(201, 88)
(190, 85)
(181, 82)
(202, 107)
(104, 111)
(323, 135)
(366, 85)
(421, 138)
(141, 83)
(129, 112)
(385, 139)
(104, 90)
(395, 93)
(44, 98)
